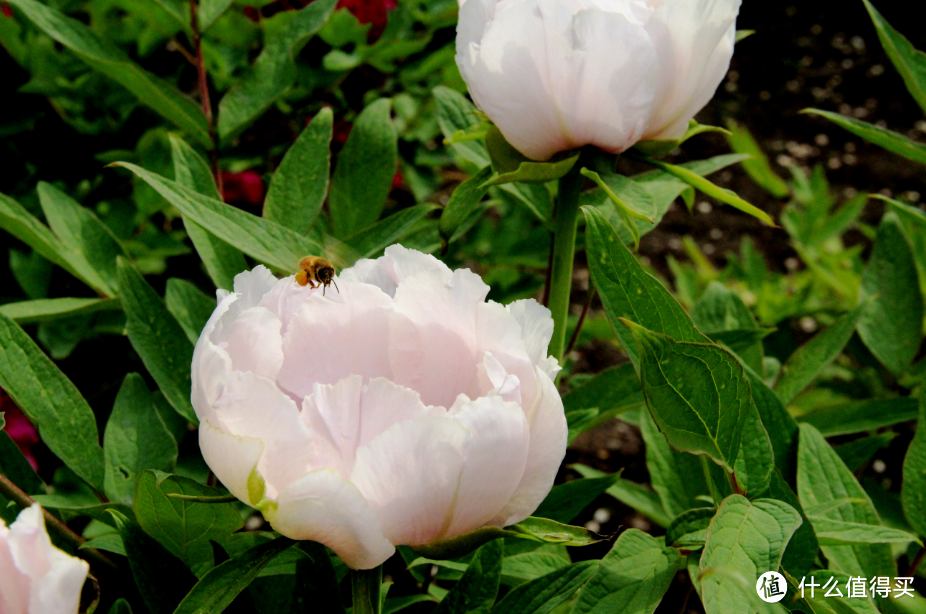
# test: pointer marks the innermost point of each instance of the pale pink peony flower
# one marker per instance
(402, 409)
(36, 577)
(555, 75)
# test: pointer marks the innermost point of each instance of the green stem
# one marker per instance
(366, 585)
(564, 250)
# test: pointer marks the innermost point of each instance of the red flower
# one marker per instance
(374, 12)
(244, 188)
(7, 11)
(398, 180)
(19, 428)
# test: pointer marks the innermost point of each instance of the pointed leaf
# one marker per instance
(909, 62)
(632, 578)
(627, 291)
(189, 306)
(676, 476)
(757, 166)
(755, 460)
(184, 527)
(546, 593)
(837, 532)
(626, 194)
(689, 529)
(805, 364)
(51, 309)
(861, 416)
(135, 439)
(828, 490)
(374, 239)
(479, 585)
(266, 241)
(749, 537)
(567, 501)
(108, 59)
(219, 587)
(463, 201)
(300, 183)
(891, 326)
(274, 72)
(159, 340)
(366, 166)
(696, 393)
(882, 137)
(52, 403)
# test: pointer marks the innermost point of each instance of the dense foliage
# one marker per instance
(263, 131)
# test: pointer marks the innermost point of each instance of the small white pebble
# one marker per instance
(822, 140)
(792, 264)
(254, 522)
(879, 466)
(602, 515)
(704, 207)
(593, 526)
(715, 234)
(807, 324)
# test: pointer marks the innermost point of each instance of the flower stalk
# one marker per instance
(366, 586)
(564, 248)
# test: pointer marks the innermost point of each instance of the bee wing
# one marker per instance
(340, 254)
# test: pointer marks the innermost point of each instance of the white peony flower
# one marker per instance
(36, 577)
(555, 75)
(402, 409)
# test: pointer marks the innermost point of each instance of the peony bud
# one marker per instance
(19, 428)
(36, 577)
(244, 188)
(401, 408)
(555, 75)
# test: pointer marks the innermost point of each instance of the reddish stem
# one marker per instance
(916, 562)
(204, 89)
(575, 333)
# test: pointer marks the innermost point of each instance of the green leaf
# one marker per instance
(266, 241)
(52, 403)
(804, 365)
(366, 166)
(524, 567)
(721, 314)
(184, 527)
(891, 326)
(317, 583)
(909, 62)
(860, 416)
(757, 166)
(834, 604)
(613, 389)
(105, 57)
(828, 490)
(109, 542)
(51, 309)
(511, 166)
(636, 496)
(882, 137)
(913, 488)
(190, 169)
(17, 469)
(676, 476)
(15, 219)
(801, 552)
(696, 393)
(274, 72)
(81, 232)
(159, 340)
(546, 593)
(222, 261)
(631, 578)
(189, 305)
(219, 587)
(456, 113)
(121, 606)
(626, 194)
(779, 424)
(210, 10)
(722, 194)
(567, 501)
(837, 533)
(689, 529)
(161, 578)
(300, 184)
(479, 585)
(749, 537)
(135, 439)
(755, 460)
(463, 202)
(374, 239)
(627, 291)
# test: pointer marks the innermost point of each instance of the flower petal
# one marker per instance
(536, 322)
(388, 271)
(253, 341)
(694, 39)
(332, 337)
(232, 458)
(410, 475)
(432, 336)
(253, 406)
(55, 578)
(494, 461)
(548, 435)
(498, 333)
(251, 286)
(322, 507)
(14, 585)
